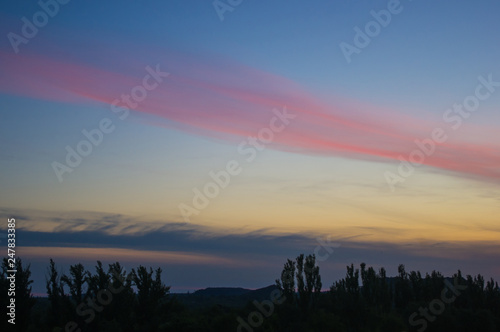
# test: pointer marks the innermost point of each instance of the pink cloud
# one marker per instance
(231, 101)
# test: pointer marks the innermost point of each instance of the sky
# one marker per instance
(217, 139)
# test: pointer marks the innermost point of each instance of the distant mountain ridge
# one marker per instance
(221, 291)
(224, 296)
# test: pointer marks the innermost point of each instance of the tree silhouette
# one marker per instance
(76, 280)
(287, 282)
(56, 295)
(151, 296)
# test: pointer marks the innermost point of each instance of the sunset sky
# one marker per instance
(228, 138)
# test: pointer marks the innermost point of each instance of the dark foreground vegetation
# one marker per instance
(112, 299)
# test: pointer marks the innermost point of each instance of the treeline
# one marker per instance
(368, 300)
(112, 299)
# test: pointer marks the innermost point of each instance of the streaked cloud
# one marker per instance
(230, 101)
(126, 255)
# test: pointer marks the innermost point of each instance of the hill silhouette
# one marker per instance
(230, 297)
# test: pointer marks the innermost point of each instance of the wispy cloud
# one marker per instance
(94, 229)
(254, 259)
(125, 255)
(230, 101)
